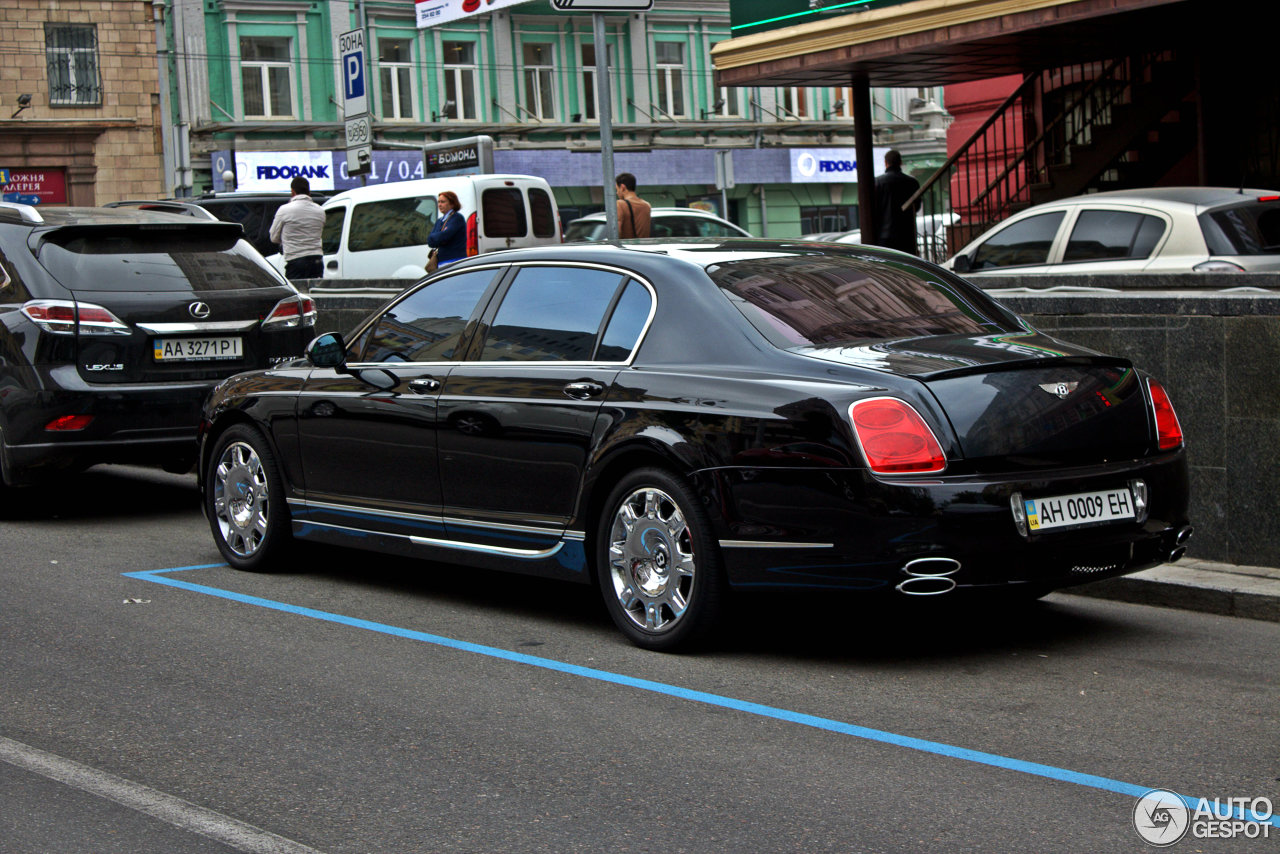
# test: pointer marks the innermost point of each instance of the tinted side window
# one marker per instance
(428, 325)
(1110, 235)
(626, 324)
(681, 226)
(1025, 242)
(502, 209)
(711, 228)
(331, 236)
(392, 223)
(551, 314)
(544, 217)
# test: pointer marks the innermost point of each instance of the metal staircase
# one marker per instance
(1082, 128)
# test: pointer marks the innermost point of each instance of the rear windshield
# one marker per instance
(503, 211)
(800, 301)
(1250, 229)
(544, 217)
(157, 259)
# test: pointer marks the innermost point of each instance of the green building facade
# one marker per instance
(259, 81)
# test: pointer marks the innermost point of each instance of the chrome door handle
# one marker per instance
(583, 390)
(424, 386)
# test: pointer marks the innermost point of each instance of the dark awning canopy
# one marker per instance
(938, 42)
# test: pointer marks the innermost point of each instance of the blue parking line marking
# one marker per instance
(161, 576)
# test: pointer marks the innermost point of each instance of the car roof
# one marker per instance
(1192, 197)
(60, 216)
(400, 189)
(599, 215)
(699, 251)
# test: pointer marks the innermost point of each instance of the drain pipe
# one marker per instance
(166, 128)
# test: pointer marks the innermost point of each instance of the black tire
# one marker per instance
(657, 564)
(244, 502)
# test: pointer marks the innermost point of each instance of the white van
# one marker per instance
(380, 231)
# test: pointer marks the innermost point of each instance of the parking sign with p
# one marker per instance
(355, 92)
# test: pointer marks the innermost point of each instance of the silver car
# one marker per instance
(1169, 229)
(663, 222)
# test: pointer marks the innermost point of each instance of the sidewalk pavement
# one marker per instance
(1197, 585)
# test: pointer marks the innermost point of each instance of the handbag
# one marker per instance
(432, 261)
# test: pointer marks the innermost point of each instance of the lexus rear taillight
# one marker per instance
(1168, 430)
(473, 235)
(894, 438)
(69, 423)
(291, 312)
(65, 317)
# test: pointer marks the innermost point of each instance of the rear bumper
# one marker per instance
(842, 529)
(135, 423)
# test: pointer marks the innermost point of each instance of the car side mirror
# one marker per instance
(961, 264)
(327, 351)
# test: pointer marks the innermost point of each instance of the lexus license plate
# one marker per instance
(197, 349)
(1080, 509)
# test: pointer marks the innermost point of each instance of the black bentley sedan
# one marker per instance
(114, 326)
(674, 421)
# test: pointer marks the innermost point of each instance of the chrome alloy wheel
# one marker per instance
(241, 499)
(651, 560)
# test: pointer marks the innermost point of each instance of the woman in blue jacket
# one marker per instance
(449, 235)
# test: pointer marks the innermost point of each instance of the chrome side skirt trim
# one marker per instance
(772, 544)
(459, 545)
(503, 551)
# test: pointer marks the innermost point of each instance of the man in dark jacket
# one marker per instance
(895, 227)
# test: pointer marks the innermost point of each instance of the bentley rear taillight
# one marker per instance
(894, 438)
(1168, 430)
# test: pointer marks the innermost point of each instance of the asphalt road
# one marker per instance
(155, 700)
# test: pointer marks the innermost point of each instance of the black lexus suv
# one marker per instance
(115, 324)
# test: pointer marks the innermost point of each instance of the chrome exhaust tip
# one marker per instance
(1176, 554)
(931, 567)
(1183, 535)
(930, 576)
(926, 585)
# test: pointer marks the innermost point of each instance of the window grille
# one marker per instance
(71, 58)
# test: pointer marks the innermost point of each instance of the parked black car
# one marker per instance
(672, 421)
(254, 211)
(114, 326)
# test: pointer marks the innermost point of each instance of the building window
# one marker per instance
(71, 56)
(460, 78)
(395, 73)
(795, 103)
(842, 103)
(669, 65)
(728, 102)
(589, 87)
(266, 75)
(539, 89)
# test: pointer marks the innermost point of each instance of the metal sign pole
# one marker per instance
(604, 111)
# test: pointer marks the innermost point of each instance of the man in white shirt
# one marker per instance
(297, 228)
